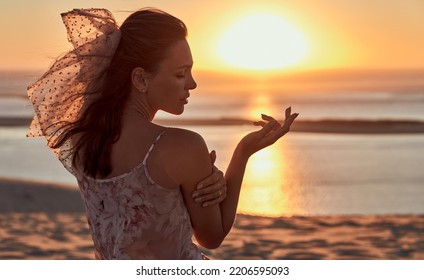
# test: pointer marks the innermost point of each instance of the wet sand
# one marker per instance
(46, 221)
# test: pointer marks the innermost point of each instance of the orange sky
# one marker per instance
(378, 34)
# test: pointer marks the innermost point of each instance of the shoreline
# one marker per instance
(311, 126)
(47, 221)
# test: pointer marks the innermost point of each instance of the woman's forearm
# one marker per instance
(271, 131)
(234, 179)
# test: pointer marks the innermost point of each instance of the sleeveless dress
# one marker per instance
(132, 217)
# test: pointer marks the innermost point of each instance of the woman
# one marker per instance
(137, 179)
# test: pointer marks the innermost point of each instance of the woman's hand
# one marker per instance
(271, 131)
(213, 189)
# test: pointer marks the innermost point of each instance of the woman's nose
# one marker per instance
(191, 83)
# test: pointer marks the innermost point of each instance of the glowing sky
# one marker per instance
(383, 34)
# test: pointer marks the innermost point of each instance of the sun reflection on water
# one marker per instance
(262, 192)
(269, 180)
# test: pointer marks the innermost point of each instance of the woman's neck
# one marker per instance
(138, 108)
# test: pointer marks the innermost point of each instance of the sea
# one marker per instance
(304, 173)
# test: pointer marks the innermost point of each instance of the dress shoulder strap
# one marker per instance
(152, 146)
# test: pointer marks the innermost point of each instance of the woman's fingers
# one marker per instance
(288, 113)
(259, 123)
(211, 190)
(214, 195)
(288, 122)
(212, 155)
(215, 177)
(290, 119)
(268, 118)
(271, 131)
(206, 191)
(208, 197)
(267, 128)
(220, 196)
(280, 131)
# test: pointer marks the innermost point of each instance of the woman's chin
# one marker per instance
(176, 112)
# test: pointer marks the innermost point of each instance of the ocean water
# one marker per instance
(302, 174)
(343, 106)
(245, 101)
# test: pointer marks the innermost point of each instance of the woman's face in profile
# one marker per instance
(169, 88)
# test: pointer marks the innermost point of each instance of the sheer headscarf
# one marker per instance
(60, 95)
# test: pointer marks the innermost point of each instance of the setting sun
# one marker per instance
(262, 42)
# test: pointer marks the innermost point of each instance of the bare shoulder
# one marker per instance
(187, 156)
(181, 140)
(183, 133)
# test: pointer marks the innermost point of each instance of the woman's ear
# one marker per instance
(139, 79)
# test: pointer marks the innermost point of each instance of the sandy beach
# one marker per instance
(46, 221)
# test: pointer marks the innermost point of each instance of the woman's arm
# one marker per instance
(212, 224)
(211, 190)
(188, 164)
(271, 131)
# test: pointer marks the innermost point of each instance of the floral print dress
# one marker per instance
(132, 217)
